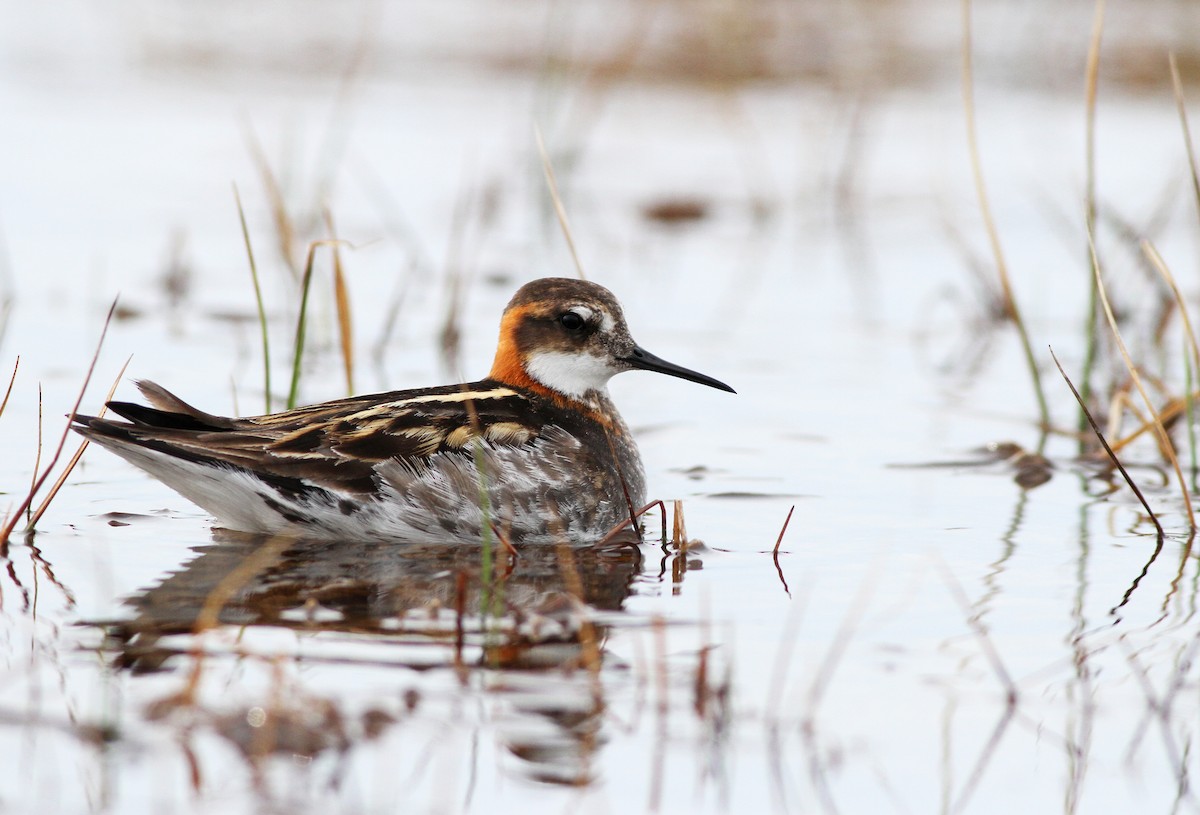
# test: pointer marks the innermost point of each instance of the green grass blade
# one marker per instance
(258, 299)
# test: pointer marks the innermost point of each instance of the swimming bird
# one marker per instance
(535, 452)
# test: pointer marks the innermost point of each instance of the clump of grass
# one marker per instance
(62, 478)
(1157, 419)
(1165, 440)
(7, 529)
(1154, 418)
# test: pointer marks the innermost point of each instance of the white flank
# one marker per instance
(570, 374)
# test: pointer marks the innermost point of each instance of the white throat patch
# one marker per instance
(570, 374)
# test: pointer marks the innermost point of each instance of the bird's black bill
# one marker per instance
(641, 358)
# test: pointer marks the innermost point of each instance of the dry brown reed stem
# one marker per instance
(621, 525)
(786, 521)
(1092, 75)
(1160, 265)
(37, 461)
(341, 296)
(1156, 260)
(505, 542)
(285, 229)
(1169, 412)
(1177, 83)
(1159, 430)
(679, 527)
(775, 552)
(1104, 443)
(450, 335)
(559, 209)
(1123, 403)
(8, 391)
(62, 478)
(6, 531)
(985, 210)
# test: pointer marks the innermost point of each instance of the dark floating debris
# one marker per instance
(1029, 469)
(676, 211)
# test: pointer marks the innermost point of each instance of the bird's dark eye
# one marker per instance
(571, 321)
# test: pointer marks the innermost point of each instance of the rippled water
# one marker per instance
(930, 635)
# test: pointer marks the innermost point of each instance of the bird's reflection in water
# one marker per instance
(530, 615)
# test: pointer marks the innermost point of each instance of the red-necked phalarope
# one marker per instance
(536, 451)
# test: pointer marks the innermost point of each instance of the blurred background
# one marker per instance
(963, 615)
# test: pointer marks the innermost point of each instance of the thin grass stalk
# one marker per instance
(1177, 84)
(341, 296)
(302, 320)
(1192, 360)
(6, 307)
(285, 229)
(1112, 456)
(775, 552)
(559, 209)
(1189, 375)
(1193, 368)
(8, 527)
(8, 391)
(1170, 411)
(679, 535)
(62, 478)
(621, 525)
(1092, 337)
(37, 461)
(1161, 431)
(450, 336)
(985, 209)
(258, 299)
(783, 530)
